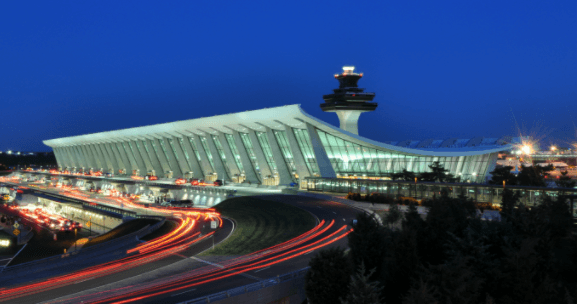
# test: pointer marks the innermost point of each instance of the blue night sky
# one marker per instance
(439, 69)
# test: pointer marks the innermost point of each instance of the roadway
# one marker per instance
(210, 279)
(180, 276)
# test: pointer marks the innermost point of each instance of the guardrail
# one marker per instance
(248, 288)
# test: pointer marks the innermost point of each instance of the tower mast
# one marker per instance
(349, 101)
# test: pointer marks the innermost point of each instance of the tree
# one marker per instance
(503, 174)
(404, 175)
(328, 277)
(565, 181)
(394, 215)
(509, 201)
(533, 175)
(368, 243)
(362, 290)
(438, 173)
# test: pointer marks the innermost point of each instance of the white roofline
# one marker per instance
(274, 118)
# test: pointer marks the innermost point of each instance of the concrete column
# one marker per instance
(111, 156)
(125, 160)
(88, 154)
(107, 160)
(86, 161)
(71, 158)
(141, 156)
(119, 161)
(230, 162)
(300, 162)
(100, 162)
(265, 170)
(195, 165)
(285, 176)
(325, 167)
(60, 157)
(349, 120)
(57, 156)
(77, 156)
(220, 169)
(174, 163)
(132, 157)
(153, 158)
(249, 170)
(181, 158)
(205, 163)
(162, 158)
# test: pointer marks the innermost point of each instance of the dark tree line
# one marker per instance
(454, 257)
(39, 159)
(438, 174)
(529, 176)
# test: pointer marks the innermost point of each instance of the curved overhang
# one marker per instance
(257, 120)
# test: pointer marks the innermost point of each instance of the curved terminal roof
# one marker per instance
(293, 116)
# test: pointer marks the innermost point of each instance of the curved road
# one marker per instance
(182, 276)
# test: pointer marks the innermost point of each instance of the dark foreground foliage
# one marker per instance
(453, 257)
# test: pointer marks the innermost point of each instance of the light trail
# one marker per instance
(177, 240)
(224, 273)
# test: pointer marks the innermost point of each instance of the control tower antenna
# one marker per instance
(349, 101)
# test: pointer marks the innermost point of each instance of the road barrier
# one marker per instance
(250, 288)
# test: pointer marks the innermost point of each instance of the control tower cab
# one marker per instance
(349, 101)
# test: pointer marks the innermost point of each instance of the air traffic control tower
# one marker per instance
(349, 101)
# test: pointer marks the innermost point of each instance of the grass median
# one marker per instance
(260, 224)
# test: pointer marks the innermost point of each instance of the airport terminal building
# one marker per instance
(274, 146)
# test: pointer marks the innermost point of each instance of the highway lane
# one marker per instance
(142, 270)
(341, 214)
(178, 291)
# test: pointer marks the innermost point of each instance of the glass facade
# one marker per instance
(181, 143)
(194, 148)
(480, 193)
(129, 151)
(248, 146)
(221, 153)
(171, 143)
(234, 150)
(286, 150)
(143, 155)
(132, 150)
(263, 140)
(350, 159)
(207, 151)
(163, 147)
(306, 148)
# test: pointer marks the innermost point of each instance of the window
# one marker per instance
(285, 149)
(234, 150)
(306, 147)
(264, 144)
(220, 151)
